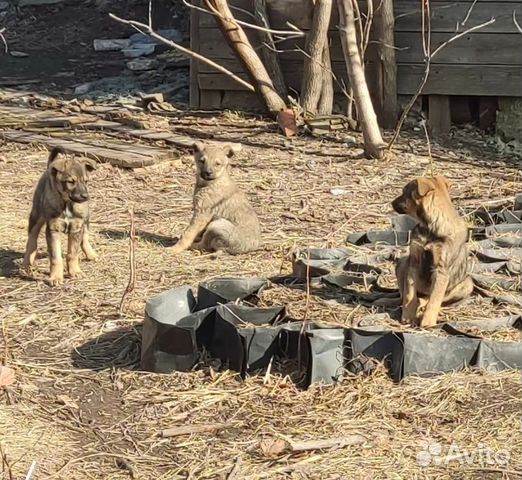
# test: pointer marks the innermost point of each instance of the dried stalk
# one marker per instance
(132, 261)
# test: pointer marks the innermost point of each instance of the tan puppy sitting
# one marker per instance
(223, 218)
(61, 202)
(436, 268)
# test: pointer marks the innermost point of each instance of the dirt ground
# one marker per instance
(81, 409)
(58, 41)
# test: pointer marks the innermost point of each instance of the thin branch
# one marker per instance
(459, 35)
(424, 79)
(132, 261)
(146, 29)
(150, 14)
(2, 30)
(240, 22)
(466, 18)
(519, 28)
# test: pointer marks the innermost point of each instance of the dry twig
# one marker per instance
(132, 261)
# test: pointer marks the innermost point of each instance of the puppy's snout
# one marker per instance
(80, 197)
(208, 173)
(398, 206)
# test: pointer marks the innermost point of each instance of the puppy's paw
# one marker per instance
(92, 256)
(409, 317)
(55, 280)
(428, 320)
(76, 273)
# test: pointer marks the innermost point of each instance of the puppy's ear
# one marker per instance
(232, 148)
(198, 147)
(441, 180)
(53, 154)
(424, 186)
(57, 166)
(90, 164)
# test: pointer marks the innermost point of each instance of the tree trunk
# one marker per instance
(385, 66)
(268, 51)
(240, 45)
(316, 40)
(373, 144)
(326, 98)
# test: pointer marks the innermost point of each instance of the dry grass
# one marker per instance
(81, 411)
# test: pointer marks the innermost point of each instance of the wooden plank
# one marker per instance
(446, 15)
(474, 48)
(487, 80)
(439, 114)
(444, 18)
(102, 154)
(194, 63)
(220, 81)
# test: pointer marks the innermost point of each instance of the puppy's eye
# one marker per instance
(218, 163)
(70, 183)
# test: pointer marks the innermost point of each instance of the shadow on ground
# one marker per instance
(8, 266)
(162, 240)
(118, 349)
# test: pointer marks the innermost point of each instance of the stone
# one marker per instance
(139, 50)
(4, 6)
(82, 89)
(509, 119)
(110, 44)
(36, 3)
(17, 54)
(170, 34)
(142, 64)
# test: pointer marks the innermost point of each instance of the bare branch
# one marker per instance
(244, 24)
(141, 27)
(466, 18)
(429, 57)
(461, 34)
(519, 28)
(2, 30)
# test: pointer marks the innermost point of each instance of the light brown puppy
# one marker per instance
(61, 203)
(223, 218)
(436, 267)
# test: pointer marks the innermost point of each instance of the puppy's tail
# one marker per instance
(53, 154)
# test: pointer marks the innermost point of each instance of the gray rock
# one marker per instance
(139, 50)
(17, 54)
(170, 34)
(4, 5)
(35, 3)
(82, 89)
(141, 64)
(110, 45)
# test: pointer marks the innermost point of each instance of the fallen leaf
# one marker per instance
(7, 376)
(287, 122)
(273, 447)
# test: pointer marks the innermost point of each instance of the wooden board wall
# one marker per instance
(485, 62)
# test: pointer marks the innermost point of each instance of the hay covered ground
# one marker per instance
(82, 411)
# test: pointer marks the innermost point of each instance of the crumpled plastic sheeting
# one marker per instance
(178, 328)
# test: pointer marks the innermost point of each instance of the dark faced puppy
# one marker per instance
(436, 266)
(61, 203)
